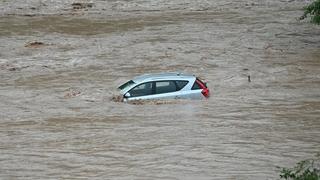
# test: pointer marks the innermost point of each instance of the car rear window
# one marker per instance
(126, 84)
(181, 84)
(196, 85)
(165, 87)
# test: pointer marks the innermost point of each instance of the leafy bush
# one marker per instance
(304, 170)
(313, 10)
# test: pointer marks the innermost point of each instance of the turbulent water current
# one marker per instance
(61, 62)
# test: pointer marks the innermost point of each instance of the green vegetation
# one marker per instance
(304, 170)
(313, 10)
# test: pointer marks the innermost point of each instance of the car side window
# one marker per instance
(141, 90)
(181, 84)
(165, 87)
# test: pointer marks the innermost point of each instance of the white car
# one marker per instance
(164, 86)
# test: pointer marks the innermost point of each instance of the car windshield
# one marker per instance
(126, 84)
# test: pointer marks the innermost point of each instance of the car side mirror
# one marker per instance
(127, 95)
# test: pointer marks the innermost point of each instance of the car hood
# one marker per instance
(125, 90)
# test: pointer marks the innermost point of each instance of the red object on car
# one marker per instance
(205, 90)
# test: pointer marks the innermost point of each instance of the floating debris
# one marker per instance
(11, 67)
(117, 98)
(79, 5)
(34, 44)
(72, 93)
(154, 102)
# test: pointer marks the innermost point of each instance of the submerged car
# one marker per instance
(164, 86)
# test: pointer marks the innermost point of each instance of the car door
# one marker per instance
(141, 91)
(182, 89)
(166, 90)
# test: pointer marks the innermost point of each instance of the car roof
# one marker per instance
(158, 77)
(162, 76)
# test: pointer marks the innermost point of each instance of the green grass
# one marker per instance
(304, 170)
(312, 10)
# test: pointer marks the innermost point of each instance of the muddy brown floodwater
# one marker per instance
(61, 61)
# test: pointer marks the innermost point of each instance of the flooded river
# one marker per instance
(60, 65)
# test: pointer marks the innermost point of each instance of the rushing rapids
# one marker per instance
(61, 61)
